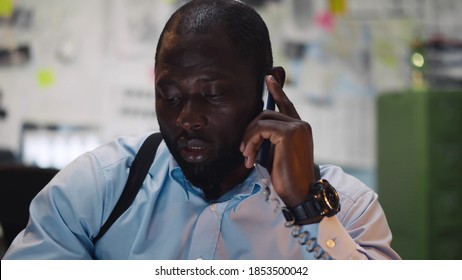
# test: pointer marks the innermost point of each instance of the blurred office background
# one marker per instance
(377, 80)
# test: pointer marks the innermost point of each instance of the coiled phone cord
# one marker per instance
(303, 237)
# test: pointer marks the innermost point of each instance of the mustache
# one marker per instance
(190, 138)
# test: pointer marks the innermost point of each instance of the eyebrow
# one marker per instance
(209, 78)
(206, 76)
(165, 82)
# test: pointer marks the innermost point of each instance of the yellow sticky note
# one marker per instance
(6, 8)
(338, 7)
(45, 77)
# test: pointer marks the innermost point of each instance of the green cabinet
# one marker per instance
(419, 172)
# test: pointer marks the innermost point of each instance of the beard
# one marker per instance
(210, 174)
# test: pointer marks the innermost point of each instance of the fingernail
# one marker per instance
(249, 164)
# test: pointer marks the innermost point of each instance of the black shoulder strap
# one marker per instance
(138, 171)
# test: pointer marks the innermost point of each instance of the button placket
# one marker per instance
(207, 231)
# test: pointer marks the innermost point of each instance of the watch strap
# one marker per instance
(305, 211)
(315, 207)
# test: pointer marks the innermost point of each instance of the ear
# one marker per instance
(279, 74)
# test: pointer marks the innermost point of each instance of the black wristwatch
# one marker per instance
(323, 201)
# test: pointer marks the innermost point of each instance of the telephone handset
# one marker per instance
(268, 101)
(264, 152)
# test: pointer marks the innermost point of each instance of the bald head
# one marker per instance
(244, 27)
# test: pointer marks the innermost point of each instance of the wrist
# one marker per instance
(323, 200)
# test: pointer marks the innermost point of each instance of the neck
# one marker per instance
(234, 178)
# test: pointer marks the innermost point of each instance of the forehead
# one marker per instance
(190, 50)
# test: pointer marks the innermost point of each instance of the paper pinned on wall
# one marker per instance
(46, 77)
(6, 8)
(325, 20)
(338, 7)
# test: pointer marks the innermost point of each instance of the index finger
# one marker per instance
(284, 104)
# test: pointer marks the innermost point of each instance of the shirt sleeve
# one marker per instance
(64, 215)
(362, 234)
(360, 230)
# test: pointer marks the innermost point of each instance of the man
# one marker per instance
(206, 197)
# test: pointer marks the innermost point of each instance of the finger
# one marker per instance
(250, 148)
(256, 133)
(273, 115)
(284, 104)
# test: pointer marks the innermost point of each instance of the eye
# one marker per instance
(170, 95)
(213, 95)
(173, 100)
(214, 92)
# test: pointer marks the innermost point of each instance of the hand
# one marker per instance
(292, 169)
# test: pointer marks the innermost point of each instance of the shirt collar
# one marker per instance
(251, 184)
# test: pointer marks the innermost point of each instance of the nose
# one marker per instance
(192, 116)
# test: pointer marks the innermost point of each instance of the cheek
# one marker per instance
(232, 125)
(165, 113)
(167, 122)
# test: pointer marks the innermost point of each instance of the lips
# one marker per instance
(194, 150)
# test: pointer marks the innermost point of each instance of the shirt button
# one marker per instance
(213, 207)
(330, 243)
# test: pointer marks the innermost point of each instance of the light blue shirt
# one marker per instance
(170, 219)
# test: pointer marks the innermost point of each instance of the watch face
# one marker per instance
(323, 201)
(331, 198)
